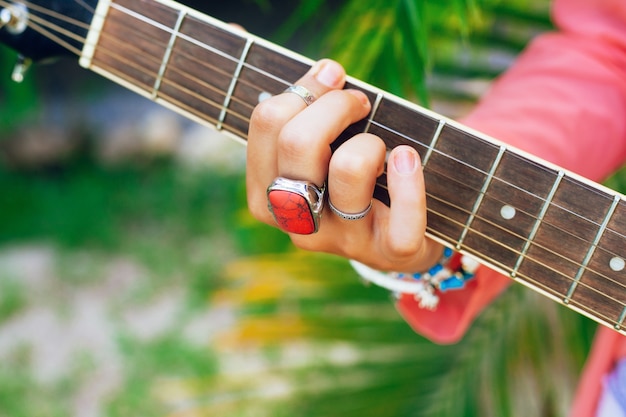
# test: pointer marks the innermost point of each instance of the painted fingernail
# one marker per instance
(405, 161)
(329, 73)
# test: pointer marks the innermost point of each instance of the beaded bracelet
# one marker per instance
(451, 273)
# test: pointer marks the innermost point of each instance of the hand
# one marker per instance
(289, 139)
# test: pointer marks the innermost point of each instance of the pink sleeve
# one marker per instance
(564, 100)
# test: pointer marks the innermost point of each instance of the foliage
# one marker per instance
(397, 45)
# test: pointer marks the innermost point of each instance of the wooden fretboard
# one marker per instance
(543, 226)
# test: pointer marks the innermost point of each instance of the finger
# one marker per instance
(405, 241)
(304, 143)
(353, 170)
(270, 115)
(266, 123)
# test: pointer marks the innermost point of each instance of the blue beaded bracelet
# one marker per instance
(451, 273)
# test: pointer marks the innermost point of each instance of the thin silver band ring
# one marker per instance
(350, 216)
(301, 91)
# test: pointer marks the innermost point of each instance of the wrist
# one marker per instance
(449, 273)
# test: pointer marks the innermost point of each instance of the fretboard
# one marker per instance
(543, 226)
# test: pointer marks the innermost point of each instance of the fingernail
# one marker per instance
(405, 161)
(329, 73)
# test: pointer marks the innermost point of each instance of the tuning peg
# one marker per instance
(15, 18)
(20, 68)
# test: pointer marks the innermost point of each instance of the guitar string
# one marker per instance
(62, 31)
(81, 39)
(213, 103)
(158, 60)
(217, 105)
(85, 6)
(39, 29)
(74, 50)
(55, 14)
(286, 83)
(198, 81)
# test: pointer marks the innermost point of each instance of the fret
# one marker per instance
(537, 223)
(397, 123)
(481, 195)
(186, 81)
(521, 185)
(204, 65)
(433, 142)
(605, 273)
(591, 250)
(231, 88)
(132, 43)
(219, 42)
(463, 157)
(168, 53)
(509, 210)
(502, 236)
(454, 177)
(620, 320)
(266, 72)
(272, 71)
(613, 243)
(361, 126)
(565, 236)
(608, 263)
(561, 241)
(599, 296)
(379, 98)
(579, 208)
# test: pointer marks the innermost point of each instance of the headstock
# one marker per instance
(42, 29)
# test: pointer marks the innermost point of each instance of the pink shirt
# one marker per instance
(564, 100)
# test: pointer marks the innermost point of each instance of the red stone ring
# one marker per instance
(296, 205)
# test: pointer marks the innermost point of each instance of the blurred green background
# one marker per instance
(133, 282)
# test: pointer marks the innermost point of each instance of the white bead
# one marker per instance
(264, 95)
(469, 264)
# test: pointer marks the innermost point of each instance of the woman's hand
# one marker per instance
(287, 138)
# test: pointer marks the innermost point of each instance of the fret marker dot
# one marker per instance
(508, 212)
(617, 264)
(264, 95)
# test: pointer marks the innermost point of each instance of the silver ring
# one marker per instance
(301, 91)
(349, 216)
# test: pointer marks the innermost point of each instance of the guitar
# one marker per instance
(549, 229)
